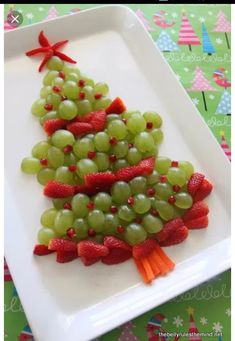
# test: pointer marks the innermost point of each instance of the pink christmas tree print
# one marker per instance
(200, 83)
(144, 21)
(127, 332)
(223, 25)
(52, 13)
(192, 327)
(187, 36)
(225, 146)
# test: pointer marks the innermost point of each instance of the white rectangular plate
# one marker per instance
(70, 302)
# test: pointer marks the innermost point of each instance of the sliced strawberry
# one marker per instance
(197, 223)
(85, 189)
(115, 243)
(169, 228)
(199, 209)
(55, 189)
(87, 261)
(50, 126)
(116, 107)
(176, 237)
(41, 250)
(60, 244)
(195, 182)
(143, 167)
(147, 165)
(144, 249)
(80, 128)
(116, 256)
(90, 249)
(204, 190)
(98, 120)
(88, 117)
(100, 181)
(66, 256)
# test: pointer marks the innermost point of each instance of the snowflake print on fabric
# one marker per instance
(211, 97)
(203, 320)
(195, 100)
(174, 15)
(228, 312)
(202, 19)
(217, 327)
(178, 321)
(219, 41)
(186, 69)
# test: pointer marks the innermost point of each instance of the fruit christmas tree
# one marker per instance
(113, 199)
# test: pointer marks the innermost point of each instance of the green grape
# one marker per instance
(48, 78)
(62, 138)
(187, 167)
(82, 147)
(67, 110)
(162, 164)
(153, 178)
(141, 203)
(81, 227)
(130, 138)
(88, 91)
(63, 175)
(126, 213)
(154, 118)
(101, 141)
(45, 175)
(30, 165)
(101, 103)
(96, 220)
(120, 149)
(45, 91)
(37, 108)
(153, 152)
(133, 156)
(55, 157)
(165, 210)
(88, 81)
(128, 113)
(138, 185)
(183, 200)
(152, 224)
(55, 63)
(58, 81)
(45, 234)
(136, 124)
(90, 136)
(54, 99)
(83, 107)
(111, 223)
(117, 129)
(163, 190)
(121, 163)
(86, 166)
(70, 159)
(135, 234)
(72, 77)
(102, 161)
(178, 212)
(63, 221)
(40, 149)
(157, 135)
(120, 192)
(58, 203)
(102, 88)
(70, 69)
(112, 117)
(176, 176)
(103, 201)
(50, 115)
(48, 218)
(144, 142)
(71, 89)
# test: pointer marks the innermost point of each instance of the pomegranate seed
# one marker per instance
(163, 178)
(81, 95)
(154, 212)
(91, 155)
(138, 220)
(98, 95)
(43, 162)
(71, 233)
(130, 201)
(68, 149)
(72, 168)
(113, 209)
(176, 188)
(91, 233)
(112, 158)
(63, 98)
(172, 200)
(124, 120)
(151, 192)
(149, 125)
(56, 88)
(61, 74)
(90, 205)
(120, 229)
(174, 164)
(67, 206)
(81, 83)
(130, 145)
(48, 106)
(113, 140)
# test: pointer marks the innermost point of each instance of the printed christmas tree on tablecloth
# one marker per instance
(165, 43)
(224, 106)
(206, 41)
(200, 83)
(225, 146)
(52, 13)
(192, 327)
(187, 36)
(127, 332)
(144, 21)
(223, 25)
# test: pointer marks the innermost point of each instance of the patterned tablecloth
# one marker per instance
(201, 60)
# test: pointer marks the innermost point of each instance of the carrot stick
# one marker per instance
(165, 258)
(160, 263)
(153, 265)
(141, 271)
(147, 268)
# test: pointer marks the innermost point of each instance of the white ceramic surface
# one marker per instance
(71, 302)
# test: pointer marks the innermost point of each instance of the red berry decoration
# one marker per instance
(176, 188)
(112, 158)
(171, 200)
(71, 233)
(138, 220)
(113, 209)
(63, 98)
(154, 212)
(90, 205)
(48, 106)
(113, 141)
(149, 125)
(91, 155)
(62, 75)
(98, 95)
(120, 229)
(174, 164)
(81, 83)
(124, 120)
(151, 192)
(72, 168)
(44, 162)
(56, 88)
(130, 145)
(163, 178)
(130, 201)
(68, 149)
(67, 206)
(91, 233)
(82, 95)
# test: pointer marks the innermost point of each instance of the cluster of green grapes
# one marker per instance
(132, 211)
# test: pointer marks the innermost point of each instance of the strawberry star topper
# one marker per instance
(49, 50)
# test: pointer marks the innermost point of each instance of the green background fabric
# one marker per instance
(209, 303)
